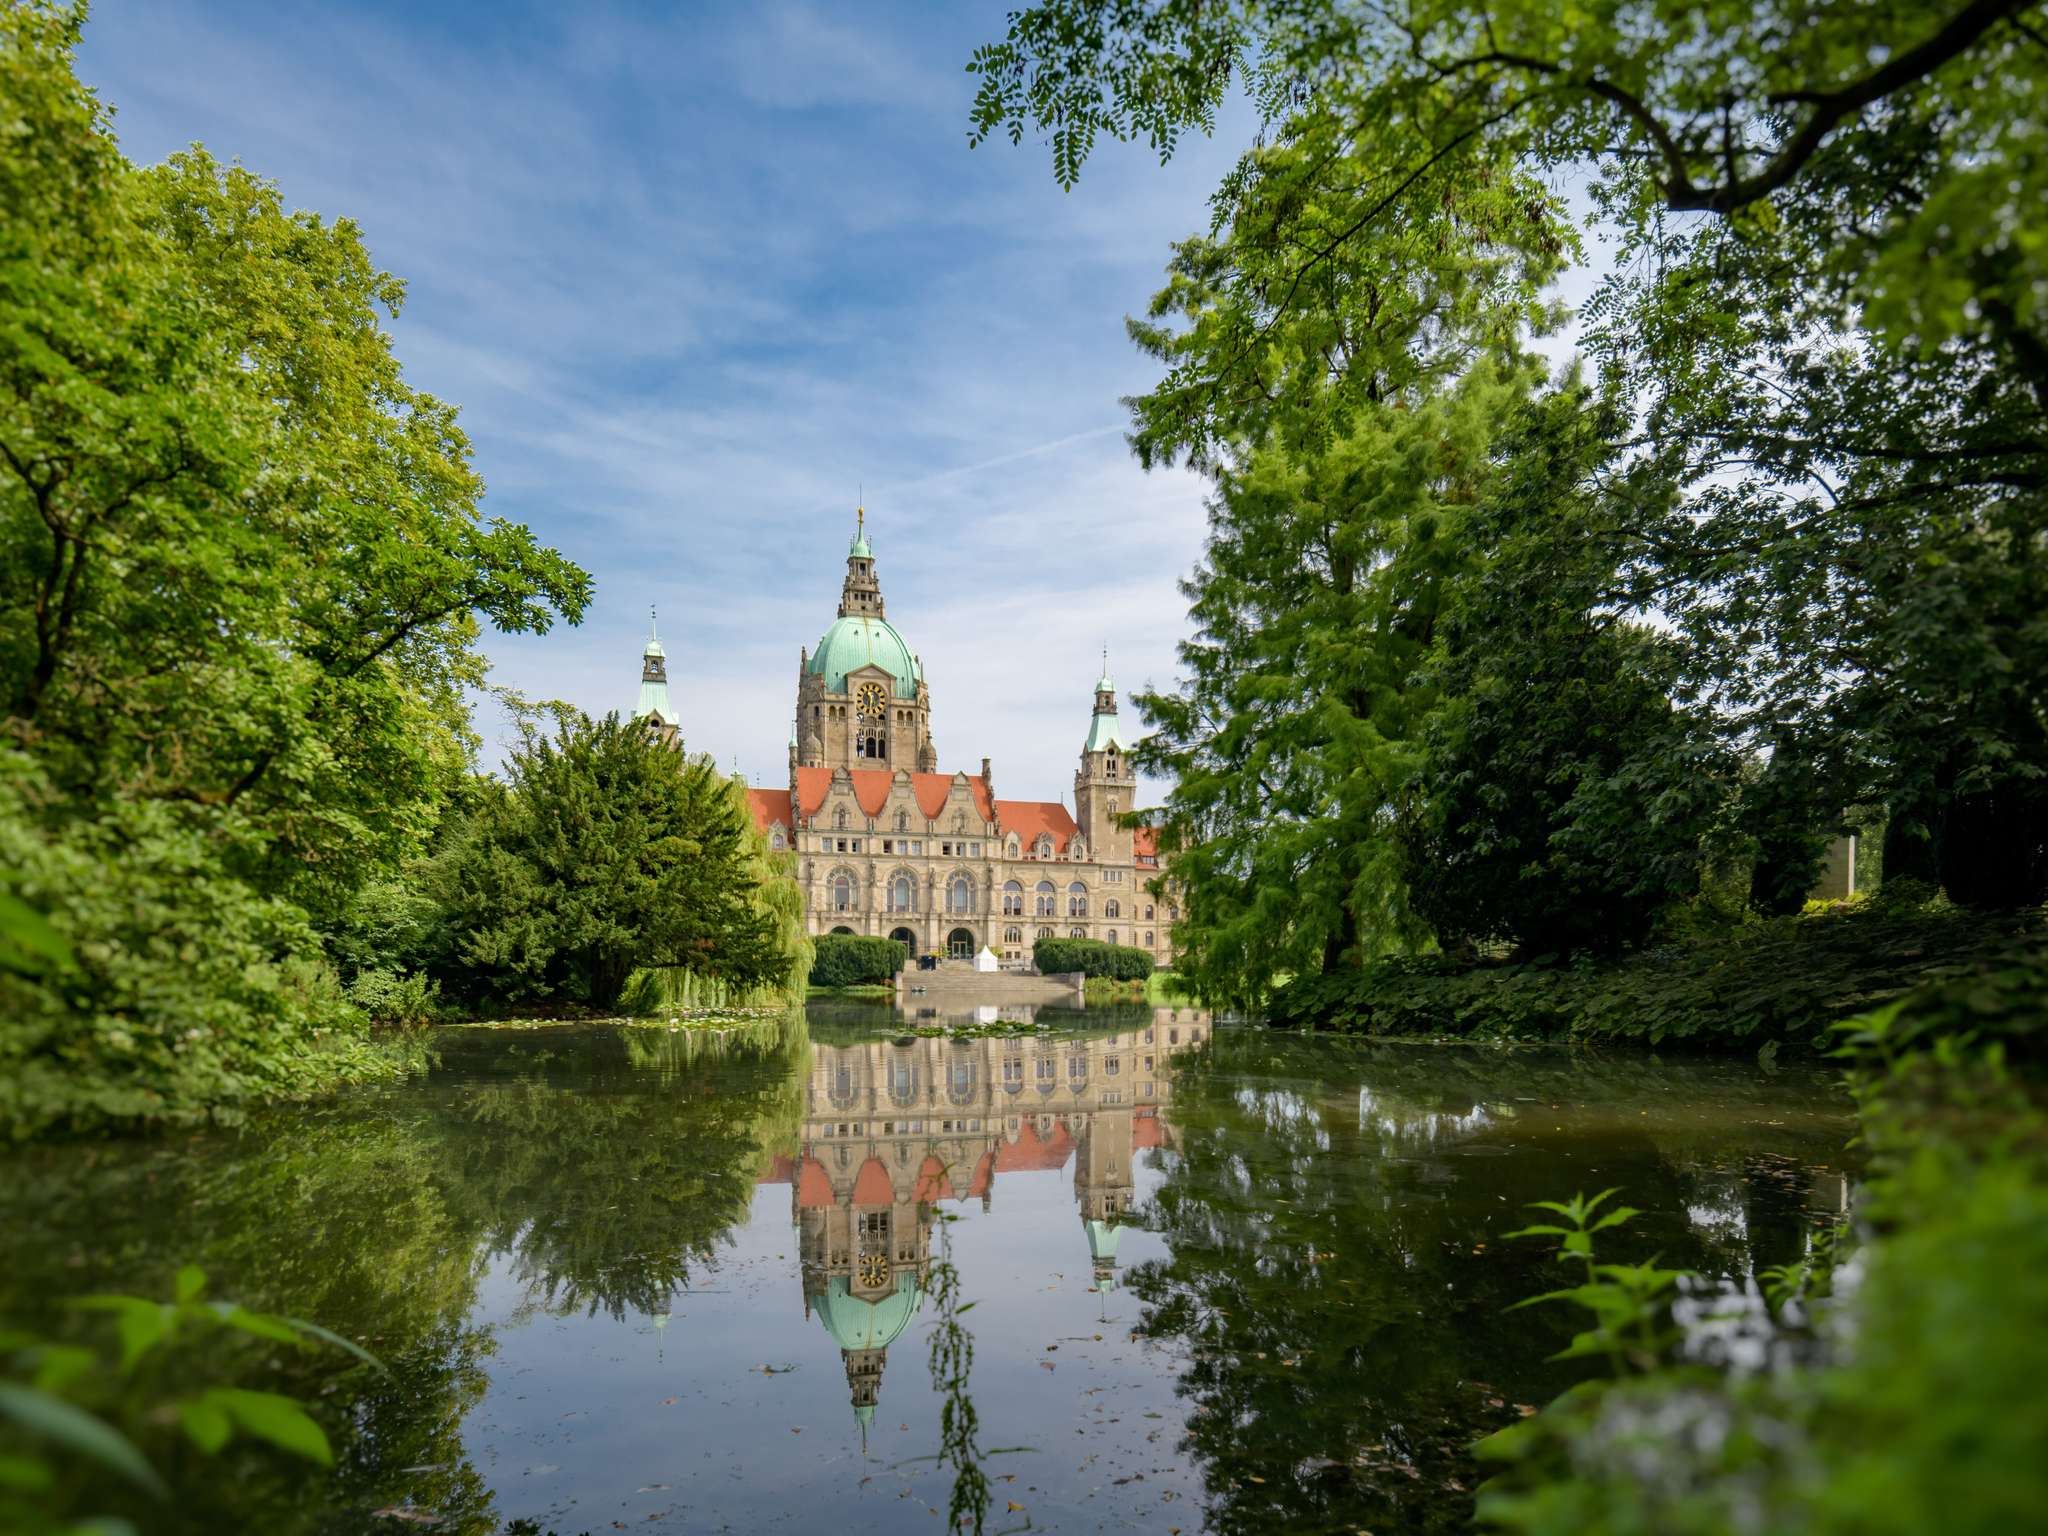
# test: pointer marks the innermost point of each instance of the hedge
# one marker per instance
(1091, 957)
(848, 960)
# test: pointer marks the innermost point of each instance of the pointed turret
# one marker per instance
(861, 597)
(654, 706)
(1105, 785)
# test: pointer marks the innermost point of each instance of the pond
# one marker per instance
(1224, 1279)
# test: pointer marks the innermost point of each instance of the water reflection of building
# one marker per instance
(895, 1127)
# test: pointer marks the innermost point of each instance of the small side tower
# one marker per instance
(1106, 784)
(654, 707)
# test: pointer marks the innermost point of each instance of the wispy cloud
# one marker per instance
(696, 276)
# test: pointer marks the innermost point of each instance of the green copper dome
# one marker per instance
(856, 1324)
(858, 641)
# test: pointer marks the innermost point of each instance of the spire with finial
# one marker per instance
(862, 594)
(654, 678)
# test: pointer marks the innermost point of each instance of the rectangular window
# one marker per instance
(946, 850)
(1047, 1071)
(888, 846)
(856, 845)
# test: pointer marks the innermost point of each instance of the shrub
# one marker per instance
(396, 999)
(848, 960)
(1092, 957)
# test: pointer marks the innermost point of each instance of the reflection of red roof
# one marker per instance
(1029, 1151)
(1028, 818)
(871, 787)
(872, 1186)
(932, 1183)
(1146, 1130)
(770, 806)
(813, 1189)
(983, 1172)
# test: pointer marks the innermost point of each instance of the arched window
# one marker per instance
(871, 743)
(1112, 935)
(1077, 933)
(1112, 908)
(1013, 898)
(960, 894)
(1045, 933)
(842, 891)
(1112, 798)
(1076, 849)
(1173, 914)
(1013, 935)
(839, 819)
(1077, 900)
(1048, 899)
(1044, 847)
(777, 841)
(902, 894)
(1011, 848)
(1148, 942)
(1148, 911)
(903, 821)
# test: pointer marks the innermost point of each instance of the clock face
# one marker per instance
(874, 1270)
(872, 700)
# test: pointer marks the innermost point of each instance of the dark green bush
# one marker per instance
(1091, 957)
(848, 960)
(1786, 980)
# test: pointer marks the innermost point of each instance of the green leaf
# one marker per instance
(277, 1419)
(329, 1336)
(260, 1324)
(70, 1426)
(24, 1473)
(206, 1424)
(190, 1282)
(142, 1324)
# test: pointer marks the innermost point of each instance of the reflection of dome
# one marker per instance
(856, 641)
(856, 1324)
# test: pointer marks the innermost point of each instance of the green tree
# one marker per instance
(1295, 740)
(242, 573)
(1564, 800)
(607, 849)
(1824, 303)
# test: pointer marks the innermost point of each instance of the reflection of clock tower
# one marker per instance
(861, 698)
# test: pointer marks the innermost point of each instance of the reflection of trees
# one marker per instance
(1336, 1270)
(613, 1174)
(376, 1214)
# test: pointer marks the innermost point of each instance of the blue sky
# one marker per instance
(696, 275)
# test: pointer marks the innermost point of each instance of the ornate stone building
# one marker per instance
(893, 1128)
(888, 846)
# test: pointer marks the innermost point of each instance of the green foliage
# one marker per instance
(850, 960)
(1788, 981)
(1916, 1402)
(242, 573)
(608, 850)
(1093, 958)
(72, 1416)
(1817, 538)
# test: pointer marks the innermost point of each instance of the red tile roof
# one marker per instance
(871, 1185)
(1028, 818)
(933, 1185)
(1145, 842)
(813, 1188)
(871, 788)
(1028, 1151)
(770, 806)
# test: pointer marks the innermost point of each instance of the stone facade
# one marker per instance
(887, 846)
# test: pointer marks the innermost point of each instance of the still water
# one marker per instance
(1224, 1279)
